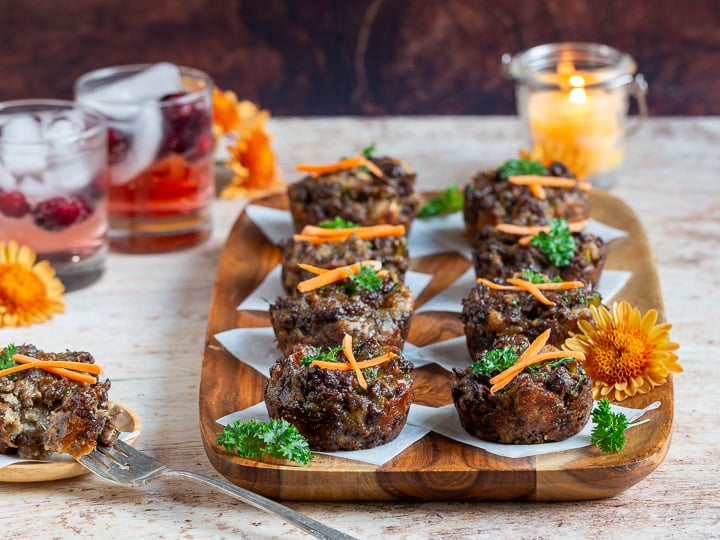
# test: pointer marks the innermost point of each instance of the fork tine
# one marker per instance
(122, 464)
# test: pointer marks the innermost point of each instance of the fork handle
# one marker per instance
(302, 521)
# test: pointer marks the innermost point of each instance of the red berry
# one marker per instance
(118, 146)
(60, 212)
(13, 204)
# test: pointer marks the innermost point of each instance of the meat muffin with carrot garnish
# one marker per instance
(523, 192)
(53, 403)
(361, 299)
(517, 392)
(557, 250)
(363, 189)
(339, 243)
(350, 396)
(524, 306)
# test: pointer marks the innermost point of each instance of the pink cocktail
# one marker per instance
(53, 185)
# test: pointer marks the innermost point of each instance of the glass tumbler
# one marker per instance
(573, 101)
(53, 185)
(160, 153)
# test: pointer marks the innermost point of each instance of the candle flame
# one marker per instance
(576, 81)
(577, 96)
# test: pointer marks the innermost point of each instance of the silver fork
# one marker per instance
(124, 465)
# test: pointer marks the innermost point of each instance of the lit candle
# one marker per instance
(573, 100)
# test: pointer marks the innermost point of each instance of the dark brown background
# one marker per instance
(331, 57)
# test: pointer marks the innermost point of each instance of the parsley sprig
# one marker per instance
(366, 278)
(256, 439)
(558, 245)
(337, 223)
(323, 356)
(536, 277)
(609, 431)
(6, 358)
(495, 361)
(368, 151)
(519, 167)
(447, 202)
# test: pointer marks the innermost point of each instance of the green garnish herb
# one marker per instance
(6, 359)
(326, 356)
(337, 223)
(368, 151)
(609, 431)
(520, 167)
(256, 439)
(448, 202)
(536, 277)
(558, 245)
(495, 361)
(366, 278)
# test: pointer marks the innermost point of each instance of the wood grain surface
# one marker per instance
(434, 468)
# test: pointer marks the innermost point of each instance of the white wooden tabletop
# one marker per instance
(145, 320)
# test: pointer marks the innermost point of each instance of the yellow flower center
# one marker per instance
(20, 289)
(620, 354)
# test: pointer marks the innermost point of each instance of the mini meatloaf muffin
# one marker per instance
(391, 250)
(42, 413)
(546, 402)
(488, 314)
(323, 316)
(331, 409)
(490, 199)
(357, 195)
(500, 255)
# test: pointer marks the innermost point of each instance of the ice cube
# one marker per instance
(21, 128)
(64, 126)
(70, 175)
(37, 190)
(149, 84)
(7, 180)
(146, 138)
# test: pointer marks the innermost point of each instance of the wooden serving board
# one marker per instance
(435, 467)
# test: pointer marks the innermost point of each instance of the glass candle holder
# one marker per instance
(53, 185)
(573, 101)
(160, 153)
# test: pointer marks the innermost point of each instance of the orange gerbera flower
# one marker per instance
(252, 161)
(625, 354)
(29, 291)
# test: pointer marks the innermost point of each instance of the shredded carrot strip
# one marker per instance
(533, 289)
(501, 380)
(526, 230)
(342, 366)
(336, 274)
(549, 286)
(313, 269)
(538, 191)
(497, 286)
(538, 180)
(347, 349)
(344, 164)
(533, 350)
(338, 235)
(77, 366)
(76, 371)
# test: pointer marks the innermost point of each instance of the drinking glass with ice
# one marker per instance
(159, 153)
(53, 185)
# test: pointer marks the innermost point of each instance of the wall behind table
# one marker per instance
(332, 57)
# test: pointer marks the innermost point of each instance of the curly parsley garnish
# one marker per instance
(366, 278)
(326, 356)
(609, 431)
(559, 244)
(337, 223)
(495, 361)
(448, 202)
(256, 439)
(6, 359)
(537, 277)
(519, 167)
(368, 151)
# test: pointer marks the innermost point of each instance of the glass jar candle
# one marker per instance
(573, 101)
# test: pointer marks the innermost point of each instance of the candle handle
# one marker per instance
(638, 89)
